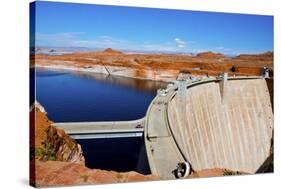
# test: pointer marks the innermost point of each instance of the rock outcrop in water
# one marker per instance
(57, 160)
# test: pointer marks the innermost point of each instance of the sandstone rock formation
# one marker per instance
(52, 143)
(56, 173)
(258, 57)
(248, 62)
(111, 51)
(161, 67)
(210, 54)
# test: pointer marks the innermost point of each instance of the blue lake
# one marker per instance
(73, 96)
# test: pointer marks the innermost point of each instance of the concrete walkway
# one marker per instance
(107, 129)
(163, 154)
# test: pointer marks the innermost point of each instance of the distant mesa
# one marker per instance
(266, 55)
(210, 54)
(111, 51)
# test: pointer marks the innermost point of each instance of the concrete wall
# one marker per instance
(224, 127)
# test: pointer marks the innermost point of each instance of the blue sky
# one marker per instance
(96, 26)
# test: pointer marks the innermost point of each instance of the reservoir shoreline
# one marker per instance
(98, 71)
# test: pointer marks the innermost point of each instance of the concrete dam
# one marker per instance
(202, 123)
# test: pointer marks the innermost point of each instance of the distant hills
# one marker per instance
(207, 54)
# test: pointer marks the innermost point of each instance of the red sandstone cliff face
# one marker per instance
(252, 63)
(57, 160)
(267, 56)
(52, 143)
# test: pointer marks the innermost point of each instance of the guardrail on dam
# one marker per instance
(214, 123)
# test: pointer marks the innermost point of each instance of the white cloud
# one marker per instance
(180, 43)
(73, 39)
(56, 39)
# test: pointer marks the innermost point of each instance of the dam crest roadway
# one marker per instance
(198, 123)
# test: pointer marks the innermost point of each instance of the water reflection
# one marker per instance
(77, 96)
(137, 84)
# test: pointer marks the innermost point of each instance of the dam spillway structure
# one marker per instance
(212, 123)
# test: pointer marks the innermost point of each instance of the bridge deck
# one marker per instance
(108, 129)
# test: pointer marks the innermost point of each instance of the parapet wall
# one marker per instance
(229, 127)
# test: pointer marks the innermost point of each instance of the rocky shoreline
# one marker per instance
(157, 67)
(129, 73)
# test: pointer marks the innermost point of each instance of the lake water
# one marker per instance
(70, 96)
(73, 97)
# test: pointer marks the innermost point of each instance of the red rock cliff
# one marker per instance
(52, 143)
